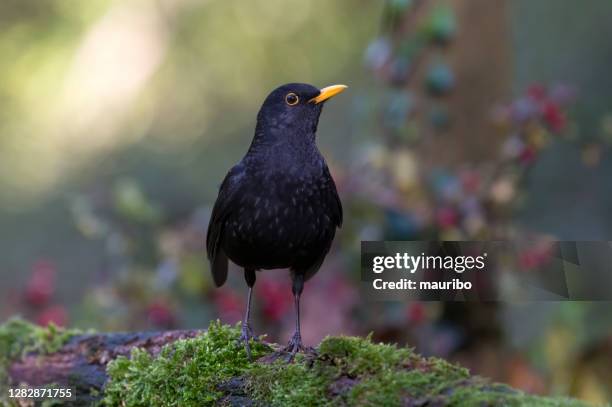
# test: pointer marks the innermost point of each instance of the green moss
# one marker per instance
(285, 384)
(389, 388)
(356, 372)
(326, 379)
(185, 373)
(357, 356)
(486, 394)
(347, 371)
(19, 337)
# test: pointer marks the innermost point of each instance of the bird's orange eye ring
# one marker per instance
(292, 99)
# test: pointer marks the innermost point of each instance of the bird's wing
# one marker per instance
(335, 205)
(334, 208)
(225, 204)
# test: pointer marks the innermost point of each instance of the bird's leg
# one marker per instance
(247, 332)
(246, 324)
(295, 344)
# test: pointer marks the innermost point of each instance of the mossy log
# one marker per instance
(81, 362)
(199, 368)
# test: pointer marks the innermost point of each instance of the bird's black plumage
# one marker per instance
(278, 207)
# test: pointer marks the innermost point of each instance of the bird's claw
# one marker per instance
(294, 346)
(246, 336)
(247, 332)
(288, 352)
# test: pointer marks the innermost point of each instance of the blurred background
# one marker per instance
(464, 120)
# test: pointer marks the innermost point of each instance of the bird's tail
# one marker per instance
(219, 268)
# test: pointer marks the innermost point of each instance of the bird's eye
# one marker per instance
(292, 99)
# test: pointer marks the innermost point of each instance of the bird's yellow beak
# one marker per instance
(328, 92)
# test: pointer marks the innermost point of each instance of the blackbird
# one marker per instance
(278, 208)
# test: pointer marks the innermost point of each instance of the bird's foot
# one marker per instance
(247, 332)
(246, 336)
(294, 346)
(288, 352)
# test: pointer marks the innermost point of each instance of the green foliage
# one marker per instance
(347, 371)
(131, 202)
(441, 25)
(19, 337)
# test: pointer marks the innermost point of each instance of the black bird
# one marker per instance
(278, 207)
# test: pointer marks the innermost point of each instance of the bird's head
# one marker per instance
(293, 110)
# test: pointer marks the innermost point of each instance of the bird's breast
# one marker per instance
(277, 223)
